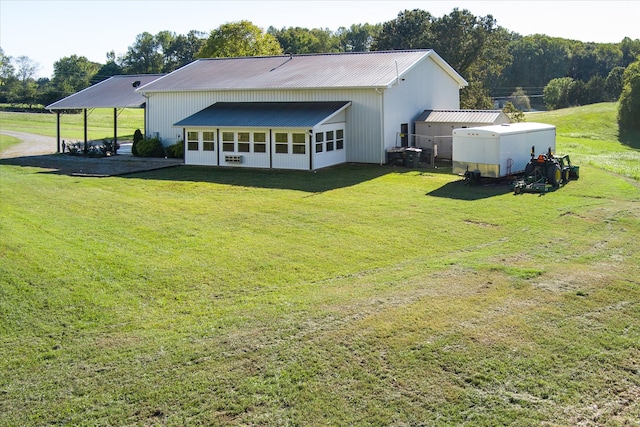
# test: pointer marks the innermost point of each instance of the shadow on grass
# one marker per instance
(311, 182)
(630, 138)
(459, 190)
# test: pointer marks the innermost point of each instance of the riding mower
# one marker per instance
(546, 173)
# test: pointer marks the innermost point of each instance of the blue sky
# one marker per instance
(47, 30)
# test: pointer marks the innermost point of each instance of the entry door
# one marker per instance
(404, 131)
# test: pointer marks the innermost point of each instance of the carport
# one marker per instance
(116, 92)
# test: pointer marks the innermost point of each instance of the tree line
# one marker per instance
(496, 62)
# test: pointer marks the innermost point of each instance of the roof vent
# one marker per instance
(136, 83)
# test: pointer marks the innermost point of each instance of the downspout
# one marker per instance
(310, 134)
(382, 153)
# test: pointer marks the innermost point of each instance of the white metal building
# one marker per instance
(297, 112)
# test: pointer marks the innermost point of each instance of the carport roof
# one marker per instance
(264, 114)
(114, 92)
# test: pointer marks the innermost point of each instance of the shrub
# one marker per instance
(137, 137)
(176, 151)
(150, 147)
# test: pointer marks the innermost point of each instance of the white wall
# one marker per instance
(425, 87)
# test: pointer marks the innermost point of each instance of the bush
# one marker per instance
(137, 137)
(150, 147)
(176, 151)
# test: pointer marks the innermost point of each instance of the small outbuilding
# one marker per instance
(435, 127)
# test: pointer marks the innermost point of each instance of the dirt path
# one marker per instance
(31, 145)
(41, 152)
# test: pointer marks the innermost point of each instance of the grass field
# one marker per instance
(99, 123)
(359, 295)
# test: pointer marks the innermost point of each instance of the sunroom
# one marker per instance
(275, 135)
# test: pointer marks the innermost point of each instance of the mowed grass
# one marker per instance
(359, 295)
(7, 141)
(593, 136)
(99, 123)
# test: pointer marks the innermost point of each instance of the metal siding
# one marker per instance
(410, 96)
(363, 117)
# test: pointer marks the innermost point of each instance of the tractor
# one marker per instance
(545, 173)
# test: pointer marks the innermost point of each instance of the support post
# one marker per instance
(115, 131)
(86, 146)
(58, 129)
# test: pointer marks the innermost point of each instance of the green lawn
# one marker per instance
(99, 123)
(359, 295)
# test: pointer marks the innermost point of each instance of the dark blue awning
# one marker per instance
(264, 114)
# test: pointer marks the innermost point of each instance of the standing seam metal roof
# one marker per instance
(114, 92)
(263, 114)
(459, 116)
(338, 70)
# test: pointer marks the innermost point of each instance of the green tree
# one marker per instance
(595, 90)
(515, 115)
(72, 74)
(239, 39)
(556, 93)
(358, 37)
(110, 68)
(182, 50)
(629, 107)
(630, 51)
(27, 91)
(410, 30)
(145, 56)
(8, 80)
(519, 100)
(613, 83)
(537, 59)
(474, 46)
(297, 40)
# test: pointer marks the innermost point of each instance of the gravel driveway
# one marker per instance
(40, 151)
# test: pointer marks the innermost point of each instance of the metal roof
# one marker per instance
(317, 71)
(114, 92)
(264, 114)
(461, 116)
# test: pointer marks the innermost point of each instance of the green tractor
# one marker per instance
(545, 173)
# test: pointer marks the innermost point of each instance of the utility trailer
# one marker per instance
(498, 151)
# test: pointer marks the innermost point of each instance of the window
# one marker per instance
(243, 142)
(319, 140)
(192, 141)
(299, 143)
(259, 142)
(282, 143)
(228, 141)
(330, 140)
(340, 139)
(208, 141)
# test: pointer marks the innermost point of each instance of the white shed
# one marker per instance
(435, 127)
(297, 111)
(502, 150)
